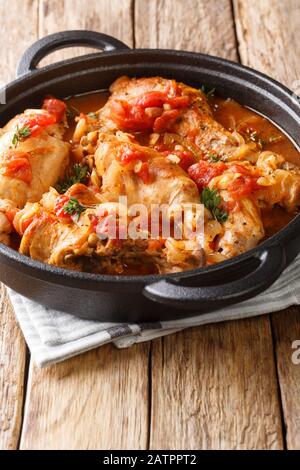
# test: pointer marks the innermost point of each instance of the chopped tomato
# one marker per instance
(203, 172)
(143, 173)
(244, 186)
(162, 148)
(157, 99)
(152, 99)
(36, 123)
(55, 107)
(166, 120)
(127, 154)
(130, 117)
(60, 203)
(133, 116)
(16, 165)
(186, 158)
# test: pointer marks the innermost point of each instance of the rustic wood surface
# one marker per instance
(215, 388)
(96, 401)
(230, 385)
(286, 328)
(12, 375)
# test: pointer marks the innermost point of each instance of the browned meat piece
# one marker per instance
(30, 164)
(161, 182)
(80, 242)
(192, 121)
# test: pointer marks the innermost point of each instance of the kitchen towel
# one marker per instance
(54, 336)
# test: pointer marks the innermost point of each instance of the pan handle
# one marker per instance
(272, 262)
(41, 48)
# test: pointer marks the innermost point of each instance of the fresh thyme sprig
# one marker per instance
(72, 112)
(78, 174)
(20, 134)
(214, 158)
(253, 136)
(92, 115)
(209, 92)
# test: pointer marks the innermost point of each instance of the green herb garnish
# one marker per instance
(274, 138)
(209, 92)
(212, 201)
(72, 112)
(213, 158)
(254, 137)
(20, 134)
(74, 208)
(92, 115)
(78, 174)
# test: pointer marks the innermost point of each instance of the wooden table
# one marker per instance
(225, 386)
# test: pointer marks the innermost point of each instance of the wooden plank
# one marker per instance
(215, 388)
(12, 371)
(100, 399)
(267, 34)
(193, 25)
(95, 401)
(113, 17)
(16, 16)
(12, 345)
(286, 328)
(210, 386)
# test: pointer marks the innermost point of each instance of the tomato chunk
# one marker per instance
(144, 174)
(132, 115)
(36, 123)
(55, 107)
(128, 154)
(16, 165)
(129, 117)
(186, 158)
(152, 99)
(166, 120)
(60, 203)
(203, 172)
(244, 186)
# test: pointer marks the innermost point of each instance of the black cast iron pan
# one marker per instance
(147, 298)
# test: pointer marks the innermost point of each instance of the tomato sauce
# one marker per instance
(234, 116)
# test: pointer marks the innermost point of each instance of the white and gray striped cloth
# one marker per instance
(54, 336)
